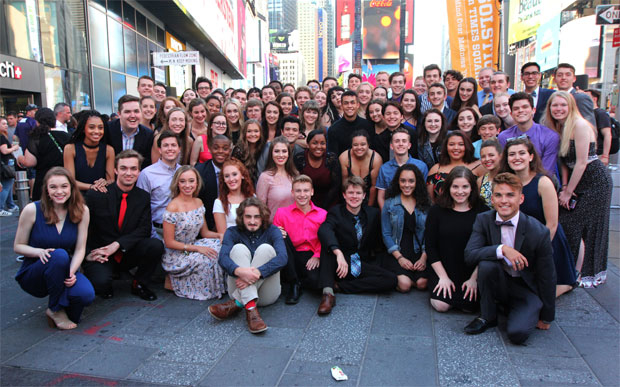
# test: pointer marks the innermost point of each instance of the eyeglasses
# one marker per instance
(204, 88)
(530, 74)
(521, 137)
(219, 123)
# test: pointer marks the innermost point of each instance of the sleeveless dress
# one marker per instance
(563, 258)
(437, 179)
(205, 154)
(367, 179)
(84, 172)
(589, 220)
(193, 275)
(35, 280)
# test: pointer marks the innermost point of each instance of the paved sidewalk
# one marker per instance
(390, 339)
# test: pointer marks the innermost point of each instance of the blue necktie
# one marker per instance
(356, 263)
(533, 94)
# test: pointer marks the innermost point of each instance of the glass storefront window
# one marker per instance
(143, 57)
(115, 39)
(140, 23)
(99, 4)
(80, 96)
(131, 64)
(161, 36)
(151, 30)
(54, 86)
(102, 92)
(115, 9)
(75, 24)
(118, 88)
(22, 27)
(98, 38)
(51, 18)
(129, 15)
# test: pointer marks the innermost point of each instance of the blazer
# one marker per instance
(487, 108)
(532, 240)
(338, 231)
(543, 97)
(585, 106)
(208, 192)
(104, 211)
(449, 114)
(142, 144)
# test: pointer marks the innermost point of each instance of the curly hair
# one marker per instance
(253, 201)
(468, 157)
(420, 193)
(535, 164)
(85, 115)
(247, 185)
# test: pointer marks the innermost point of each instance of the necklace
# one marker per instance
(90, 146)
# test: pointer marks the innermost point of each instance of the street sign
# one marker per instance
(179, 58)
(608, 14)
(616, 41)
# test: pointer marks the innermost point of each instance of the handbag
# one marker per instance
(7, 171)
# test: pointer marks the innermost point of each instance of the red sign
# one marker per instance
(380, 3)
(345, 21)
(616, 41)
(409, 22)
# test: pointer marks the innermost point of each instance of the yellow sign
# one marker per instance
(525, 18)
(474, 34)
(173, 44)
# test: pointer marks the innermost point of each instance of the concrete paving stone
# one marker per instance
(551, 342)
(111, 360)
(22, 308)
(320, 371)
(45, 358)
(244, 366)
(593, 317)
(553, 370)
(471, 359)
(607, 295)
(291, 316)
(399, 360)
(111, 320)
(339, 337)
(154, 326)
(169, 373)
(21, 336)
(11, 376)
(274, 337)
(314, 380)
(600, 348)
(180, 307)
(73, 340)
(403, 314)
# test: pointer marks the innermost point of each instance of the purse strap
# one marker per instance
(55, 142)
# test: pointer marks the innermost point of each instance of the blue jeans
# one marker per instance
(6, 196)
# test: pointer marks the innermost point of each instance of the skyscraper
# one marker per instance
(307, 23)
(282, 15)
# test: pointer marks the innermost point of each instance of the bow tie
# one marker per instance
(533, 93)
(504, 223)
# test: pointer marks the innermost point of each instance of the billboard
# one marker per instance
(527, 15)
(408, 21)
(381, 30)
(345, 21)
(548, 47)
(241, 44)
(474, 34)
(321, 37)
(278, 40)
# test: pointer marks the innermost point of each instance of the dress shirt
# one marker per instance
(546, 142)
(302, 228)
(535, 94)
(155, 179)
(128, 140)
(508, 239)
(481, 95)
(388, 170)
(61, 126)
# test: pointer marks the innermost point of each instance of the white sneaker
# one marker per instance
(13, 209)
(5, 213)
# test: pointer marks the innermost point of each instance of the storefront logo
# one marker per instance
(9, 70)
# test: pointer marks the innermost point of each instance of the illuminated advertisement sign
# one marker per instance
(345, 21)
(381, 30)
(320, 53)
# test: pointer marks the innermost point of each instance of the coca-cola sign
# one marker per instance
(380, 3)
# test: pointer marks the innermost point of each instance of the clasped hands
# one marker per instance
(246, 276)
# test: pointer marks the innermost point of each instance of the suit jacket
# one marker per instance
(104, 211)
(487, 108)
(585, 106)
(532, 240)
(543, 97)
(449, 114)
(208, 192)
(142, 144)
(338, 231)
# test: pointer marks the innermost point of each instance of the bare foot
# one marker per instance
(59, 320)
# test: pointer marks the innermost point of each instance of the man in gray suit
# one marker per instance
(515, 264)
(565, 78)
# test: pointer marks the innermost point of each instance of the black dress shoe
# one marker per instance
(294, 294)
(106, 295)
(479, 325)
(143, 292)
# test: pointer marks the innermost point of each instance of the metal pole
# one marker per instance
(22, 189)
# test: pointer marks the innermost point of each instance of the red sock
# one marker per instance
(250, 305)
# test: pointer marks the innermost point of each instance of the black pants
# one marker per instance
(145, 255)
(373, 278)
(524, 305)
(295, 270)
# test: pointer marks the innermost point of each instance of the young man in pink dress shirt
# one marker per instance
(299, 224)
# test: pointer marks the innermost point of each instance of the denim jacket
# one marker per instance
(392, 225)
(426, 154)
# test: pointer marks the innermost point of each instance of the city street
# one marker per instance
(377, 340)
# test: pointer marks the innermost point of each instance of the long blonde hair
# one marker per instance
(567, 129)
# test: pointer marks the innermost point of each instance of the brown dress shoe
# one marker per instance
(255, 323)
(224, 310)
(327, 303)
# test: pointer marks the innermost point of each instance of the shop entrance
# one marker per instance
(13, 100)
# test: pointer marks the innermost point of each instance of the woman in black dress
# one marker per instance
(45, 148)
(448, 227)
(87, 156)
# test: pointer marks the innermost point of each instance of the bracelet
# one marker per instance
(185, 249)
(399, 258)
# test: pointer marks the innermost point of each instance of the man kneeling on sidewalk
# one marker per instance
(253, 252)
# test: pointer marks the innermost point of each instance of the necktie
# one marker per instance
(504, 223)
(121, 217)
(486, 99)
(356, 263)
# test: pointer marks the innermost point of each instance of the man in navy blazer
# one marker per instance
(221, 150)
(127, 133)
(515, 264)
(531, 75)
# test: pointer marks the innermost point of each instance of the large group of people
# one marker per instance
(465, 188)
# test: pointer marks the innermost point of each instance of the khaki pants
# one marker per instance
(267, 290)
